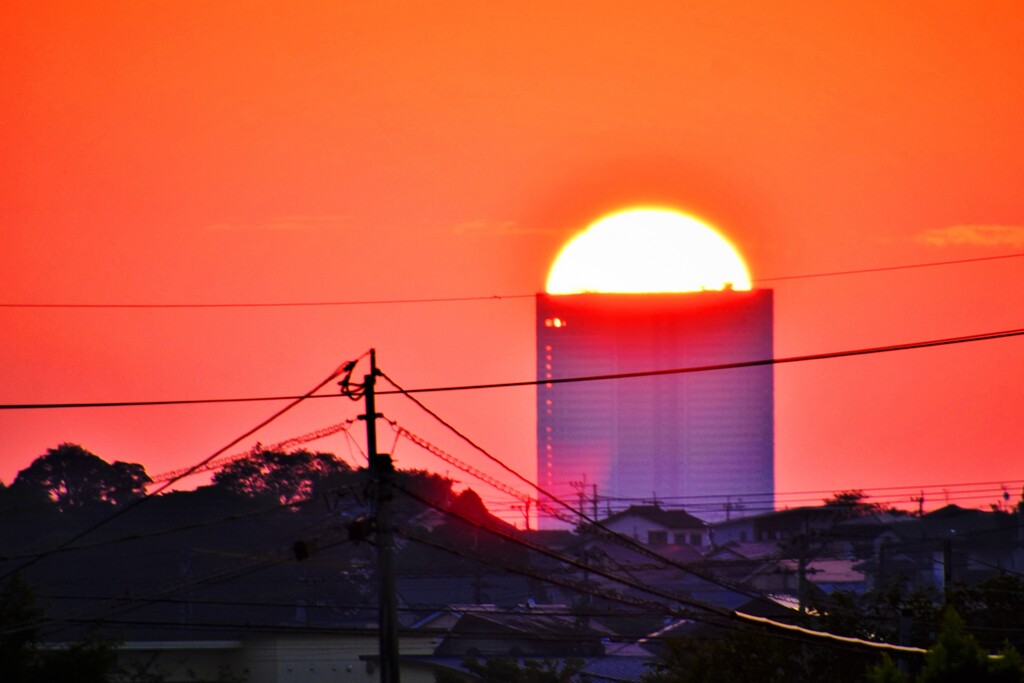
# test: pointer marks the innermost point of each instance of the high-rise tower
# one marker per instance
(703, 440)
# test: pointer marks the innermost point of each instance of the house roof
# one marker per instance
(670, 519)
(621, 669)
(745, 550)
(550, 538)
(807, 512)
(829, 570)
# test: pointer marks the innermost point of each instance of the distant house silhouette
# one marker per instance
(655, 526)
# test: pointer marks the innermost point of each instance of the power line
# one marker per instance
(491, 297)
(280, 446)
(824, 637)
(830, 636)
(583, 517)
(741, 502)
(764, 501)
(882, 269)
(897, 490)
(749, 500)
(848, 353)
(285, 304)
(156, 534)
(254, 563)
(578, 564)
(411, 608)
(150, 494)
(139, 404)
(518, 495)
(866, 351)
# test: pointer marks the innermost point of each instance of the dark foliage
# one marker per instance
(508, 670)
(19, 629)
(76, 479)
(285, 477)
(956, 656)
(88, 660)
(747, 654)
(853, 503)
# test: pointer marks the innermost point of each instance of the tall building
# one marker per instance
(703, 440)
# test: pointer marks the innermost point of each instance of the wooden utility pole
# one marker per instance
(382, 471)
(947, 568)
(805, 551)
(581, 492)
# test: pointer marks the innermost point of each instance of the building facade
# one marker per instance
(700, 440)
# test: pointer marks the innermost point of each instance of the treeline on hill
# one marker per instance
(70, 490)
(283, 540)
(275, 538)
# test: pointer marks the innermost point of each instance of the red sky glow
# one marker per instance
(196, 153)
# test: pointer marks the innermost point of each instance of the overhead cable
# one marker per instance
(183, 473)
(492, 297)
(848, 353)
(822, 636)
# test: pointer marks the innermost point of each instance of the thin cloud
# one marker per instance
(286, 223)
(975, 235)
(481, 227)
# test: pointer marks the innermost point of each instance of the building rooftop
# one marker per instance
(670, 519)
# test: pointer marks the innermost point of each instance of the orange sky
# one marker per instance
(181, 152)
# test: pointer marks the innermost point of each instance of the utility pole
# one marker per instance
(947, 568)
(802, 565)
(525, 509)
(920, 504)
(906, 623)
(581, 492)
(381, 474)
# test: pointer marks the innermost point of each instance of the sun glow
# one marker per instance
(647, 250)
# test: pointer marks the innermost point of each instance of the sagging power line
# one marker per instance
(828, 355)
(492, 297)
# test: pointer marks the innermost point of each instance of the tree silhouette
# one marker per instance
(20, 619)
(74, 478)
(507, 670)
(90, 659)
(287, 477)
(854, 504)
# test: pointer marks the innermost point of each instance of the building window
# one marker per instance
(657, 538)
(694, 539)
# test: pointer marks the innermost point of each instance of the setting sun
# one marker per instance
(647, 250)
